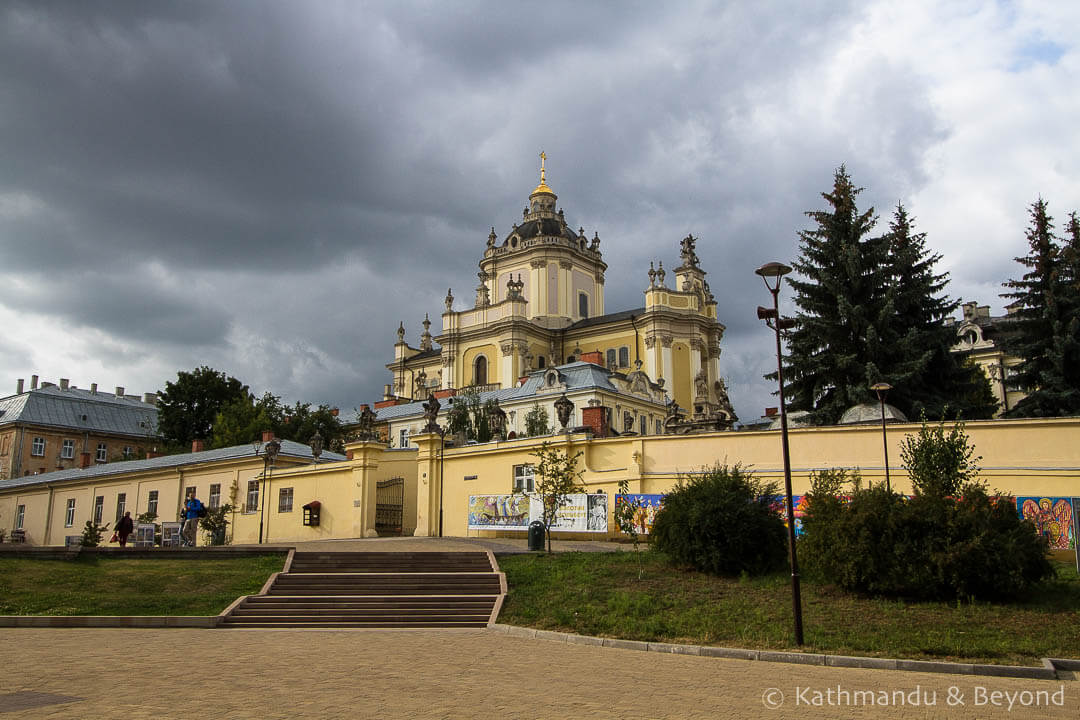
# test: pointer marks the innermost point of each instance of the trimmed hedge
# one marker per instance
(878, 542)
(723, 522)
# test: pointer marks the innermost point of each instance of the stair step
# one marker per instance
(377, 625)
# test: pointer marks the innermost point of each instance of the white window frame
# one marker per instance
(99, 508)
(523, 479)
(69, 513)
(214, 499)
(624, 356)
(403, 437)
(20, 515)
(37, 447)
(252, 494)
(102, 452)
(285, 500)
(152, 502)
(128, 452)
(67, 450)
(121, 506)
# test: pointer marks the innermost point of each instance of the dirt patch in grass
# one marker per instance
(602, 594)
(129, 586)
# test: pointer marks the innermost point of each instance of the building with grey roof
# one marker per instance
(51, 427)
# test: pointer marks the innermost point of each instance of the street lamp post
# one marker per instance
(882, 389)
(775, 271)
(270, 452)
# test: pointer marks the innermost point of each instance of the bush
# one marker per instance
(723, 522)
(938, 463)
(91, 534)
(878, 542)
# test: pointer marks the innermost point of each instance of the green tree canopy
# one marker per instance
(836, 351)
(927, 377)
(1046, 327)
(188, 407)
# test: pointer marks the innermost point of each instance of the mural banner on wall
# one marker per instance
(583, 513)
(498, 512)
(1053, 518)
(645, 509)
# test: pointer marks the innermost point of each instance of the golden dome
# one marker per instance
(543, 186)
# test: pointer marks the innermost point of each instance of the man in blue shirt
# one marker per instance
(193, 508)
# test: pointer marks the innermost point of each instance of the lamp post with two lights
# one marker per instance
(772, 274)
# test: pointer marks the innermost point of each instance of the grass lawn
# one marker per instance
(600, 594)
(129, 586)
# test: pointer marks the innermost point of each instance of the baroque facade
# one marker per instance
(540, 303)
(979, 337)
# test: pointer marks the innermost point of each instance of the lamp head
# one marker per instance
(764, 313)
(773, 270)
(881, 387)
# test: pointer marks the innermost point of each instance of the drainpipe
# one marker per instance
(48, 516)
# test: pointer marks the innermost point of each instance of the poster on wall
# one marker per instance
(798, 502)
(1053, 519)
(499, 512)
(144, 534)
(582, 513)
(645, 509)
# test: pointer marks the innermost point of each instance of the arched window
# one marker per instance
(611, 357)
(624, 356)
(583, 305)
(480, 371)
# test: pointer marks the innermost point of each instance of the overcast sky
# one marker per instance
(268, 188)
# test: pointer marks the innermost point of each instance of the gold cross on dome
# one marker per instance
(543, 157)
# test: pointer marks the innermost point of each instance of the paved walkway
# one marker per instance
(456, 544)
(135, 674)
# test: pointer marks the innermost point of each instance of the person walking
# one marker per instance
(125, 527)
(193, 510)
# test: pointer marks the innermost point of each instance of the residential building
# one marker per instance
(59, 426)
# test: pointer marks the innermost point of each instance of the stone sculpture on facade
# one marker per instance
(365, 424)
(431, 414)
(498, 421)
(563, 408)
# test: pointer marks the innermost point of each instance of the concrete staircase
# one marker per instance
(376, 590)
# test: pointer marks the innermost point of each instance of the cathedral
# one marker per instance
(540, 304)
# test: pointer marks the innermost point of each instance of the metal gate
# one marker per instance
(389, 499)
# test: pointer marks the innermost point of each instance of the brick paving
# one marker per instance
(135, 673)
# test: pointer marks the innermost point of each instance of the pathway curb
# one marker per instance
(1048, 671)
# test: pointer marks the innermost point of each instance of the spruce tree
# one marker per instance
(927, 377)
(837, 351)
(1041, 324)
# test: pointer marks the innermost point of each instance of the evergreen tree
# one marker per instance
(1041, 323)
(837, 349)
(927, 377)
(1070, 277)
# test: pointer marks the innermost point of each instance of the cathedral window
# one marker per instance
(624, 357)
(480, 371)
(541, 362)
(611, 358)
(583, 305)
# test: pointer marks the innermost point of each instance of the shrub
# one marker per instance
(878, 542)
(723, 522)
(91, 534)
(939, 464)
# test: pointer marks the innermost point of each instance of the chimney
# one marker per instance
(19, 387)
(33, 382)
(93, 388)
(267, 435)
(155, 453)
(150, 398)
(84, 460)
(119, 391)
(63, 383)
(771, 412)
(198, 445)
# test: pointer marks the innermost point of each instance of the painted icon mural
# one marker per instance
(1053, 519)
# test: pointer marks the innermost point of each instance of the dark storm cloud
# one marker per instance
(271, 187)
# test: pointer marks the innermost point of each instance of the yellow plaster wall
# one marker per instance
(469, 355)
(1021, 457)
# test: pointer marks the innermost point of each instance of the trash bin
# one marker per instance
(536, 535)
